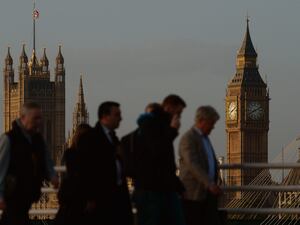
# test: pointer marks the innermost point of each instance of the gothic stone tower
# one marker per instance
(80, 114)
(247, 114)
(34, 85)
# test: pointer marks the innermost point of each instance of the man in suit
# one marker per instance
(105, 187)
(199, 170)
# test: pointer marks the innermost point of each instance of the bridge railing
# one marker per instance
(248, 188)
(275, 188)
(261, 188)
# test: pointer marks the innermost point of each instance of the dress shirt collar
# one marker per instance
(199, 131)
(107, 133)
(105, 129)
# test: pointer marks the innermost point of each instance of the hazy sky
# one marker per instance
(138, 51)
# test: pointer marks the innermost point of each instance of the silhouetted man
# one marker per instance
(129, 145)
(199, 170)
(24, 164)
(157, 187)
(106, 189)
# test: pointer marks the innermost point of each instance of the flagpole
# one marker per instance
(33, 17)
(33, 53)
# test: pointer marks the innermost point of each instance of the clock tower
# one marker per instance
(247, 115)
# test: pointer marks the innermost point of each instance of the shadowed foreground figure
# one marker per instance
(199, 170)
(24, 164)
(101, 169)
(73, 206)
(157, 188)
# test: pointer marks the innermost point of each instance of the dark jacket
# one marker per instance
(27, 167)
(129, 148)
(156, 169)
(97, 164)
(72, 203)
(70, 189)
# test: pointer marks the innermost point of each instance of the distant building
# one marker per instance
(80, 114)
(247, 115)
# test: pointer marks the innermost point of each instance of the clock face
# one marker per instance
(255, 110)
(232, 111)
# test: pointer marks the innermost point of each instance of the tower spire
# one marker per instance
(80, 93)
(247, 17)
(8, 59)
(23, 57)
(44, 62)
(44, 59)
(247, 48)
(80, 114)
(246, 63)
(59, 57)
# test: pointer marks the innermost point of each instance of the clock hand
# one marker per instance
(255, 110)
(232, 110)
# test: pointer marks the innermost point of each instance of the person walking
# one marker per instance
(101, 168)
(157, 188)
(25, 163)
(72, 205)
(199, 170)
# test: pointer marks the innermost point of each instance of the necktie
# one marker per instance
(116, 142)
(114, 138)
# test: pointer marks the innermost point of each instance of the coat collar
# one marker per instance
(99, 130)
(17, 124)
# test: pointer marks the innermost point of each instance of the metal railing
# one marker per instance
(261, 166)
(254, 188)
(260, 188)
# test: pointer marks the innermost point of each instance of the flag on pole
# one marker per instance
(35, 14)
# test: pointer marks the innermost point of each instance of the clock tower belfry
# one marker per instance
(247, 115)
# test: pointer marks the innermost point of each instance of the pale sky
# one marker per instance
(138, 51)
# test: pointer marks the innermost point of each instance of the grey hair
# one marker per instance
(206, 113)
(29, 106)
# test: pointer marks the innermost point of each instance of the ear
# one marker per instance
(103, 119)
(167, 108)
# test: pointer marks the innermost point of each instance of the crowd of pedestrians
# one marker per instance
(94, 190)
